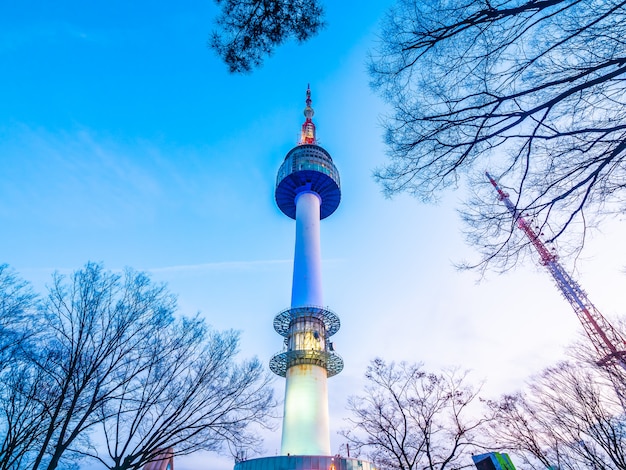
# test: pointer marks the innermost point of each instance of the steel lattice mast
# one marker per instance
(607, 341)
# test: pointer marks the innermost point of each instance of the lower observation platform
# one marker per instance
(304, 462)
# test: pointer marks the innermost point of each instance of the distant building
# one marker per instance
(493, 461)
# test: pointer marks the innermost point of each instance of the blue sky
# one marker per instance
(124, 140)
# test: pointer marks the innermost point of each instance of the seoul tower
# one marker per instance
(308, 191)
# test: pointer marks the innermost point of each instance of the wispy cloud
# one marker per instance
(230, 265)
(220, 265)
(37, 33)
(53, 176)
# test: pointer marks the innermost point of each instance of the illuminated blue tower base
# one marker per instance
(304, 462)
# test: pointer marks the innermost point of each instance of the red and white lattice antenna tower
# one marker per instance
(607, 341)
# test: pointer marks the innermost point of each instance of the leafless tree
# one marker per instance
(17, 303)
(409, 419)
(108, 353)
(533, 90)
(250, 30)
(23, 413)
(21, 391)
(94, 325)
(193, 397)
(570, 418)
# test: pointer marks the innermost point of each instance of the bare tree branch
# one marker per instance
(410, 419)
(106, 352)
(569, 417)
(250, 30)
(532, 90)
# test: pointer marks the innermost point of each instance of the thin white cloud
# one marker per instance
(218, 266)
(228, 265)
(23, 35)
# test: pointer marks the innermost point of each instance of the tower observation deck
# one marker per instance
(307, 190)
(308, 167)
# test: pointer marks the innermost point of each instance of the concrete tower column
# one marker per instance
(306, 288)
(305, 418)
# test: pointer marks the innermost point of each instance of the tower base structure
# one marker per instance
(304, 462)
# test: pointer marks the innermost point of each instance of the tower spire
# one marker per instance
(307, 135)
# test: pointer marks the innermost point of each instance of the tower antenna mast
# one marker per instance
(607, 341)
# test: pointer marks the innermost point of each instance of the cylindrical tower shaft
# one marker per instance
(306, 288)
(305, 418)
